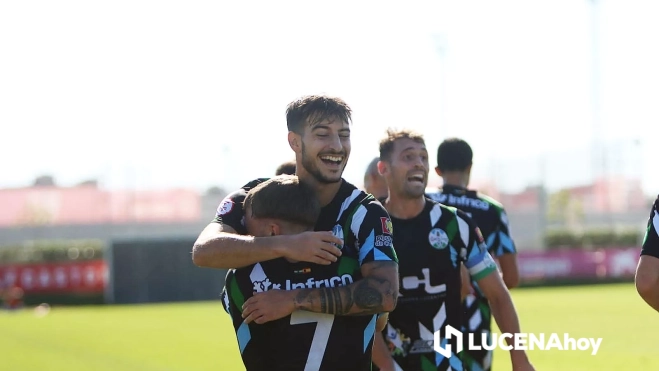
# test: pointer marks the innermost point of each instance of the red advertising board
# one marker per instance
(65, 277)
(608, 263)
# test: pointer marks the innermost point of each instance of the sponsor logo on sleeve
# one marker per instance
(381, 241)
(387, 226)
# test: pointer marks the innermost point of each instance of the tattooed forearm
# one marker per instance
(375, 293)
(303, 298)
(349, 302)
(330, 302)
(367, 297)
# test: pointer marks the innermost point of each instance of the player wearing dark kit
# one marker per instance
(348, 236)
(454, 161)
(302, 340)
(433, 242)
(647, 272)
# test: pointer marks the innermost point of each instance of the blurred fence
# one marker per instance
(125, 271)
(146, 271)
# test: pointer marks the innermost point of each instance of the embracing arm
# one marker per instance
(218, 246)
(222, 244)
(377, 292)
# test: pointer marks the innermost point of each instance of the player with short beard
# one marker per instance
(432, 241)
(319, 134)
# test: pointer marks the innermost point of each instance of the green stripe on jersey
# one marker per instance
(235, 294)
(427, 365)
(452, 224)
(647, 234)
(347, 266)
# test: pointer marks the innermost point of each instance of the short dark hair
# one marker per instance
(388, 142)
(287, 168)
(284, 198)
(454, 154)
(312, 109)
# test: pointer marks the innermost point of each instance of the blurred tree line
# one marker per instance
(569, 212)
(50, 251)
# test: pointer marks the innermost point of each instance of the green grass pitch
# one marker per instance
(199, 336)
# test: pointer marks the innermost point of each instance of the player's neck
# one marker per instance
(456, 180)
(401, 207)
(324, 191)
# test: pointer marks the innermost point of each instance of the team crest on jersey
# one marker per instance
(225, 207)
(337, 231)
(438, 238)
(387, 227)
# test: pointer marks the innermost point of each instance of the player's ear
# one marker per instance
(275, 230)
(439, 172)
(382, 167)
(295, 141)
(468, 170)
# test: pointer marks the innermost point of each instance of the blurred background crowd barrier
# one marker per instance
(58, 249)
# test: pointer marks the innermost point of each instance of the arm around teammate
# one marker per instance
(223, 244)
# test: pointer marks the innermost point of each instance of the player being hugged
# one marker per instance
(348, 233)
(432, 242)
(284, 206)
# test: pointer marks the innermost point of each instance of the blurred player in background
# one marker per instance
(374, 183)
(454, 161)
(287, 168)
(284, 206)
(433, 242)
(12, 297)
(647, 271)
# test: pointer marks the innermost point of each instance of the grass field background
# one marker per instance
(199, 336)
